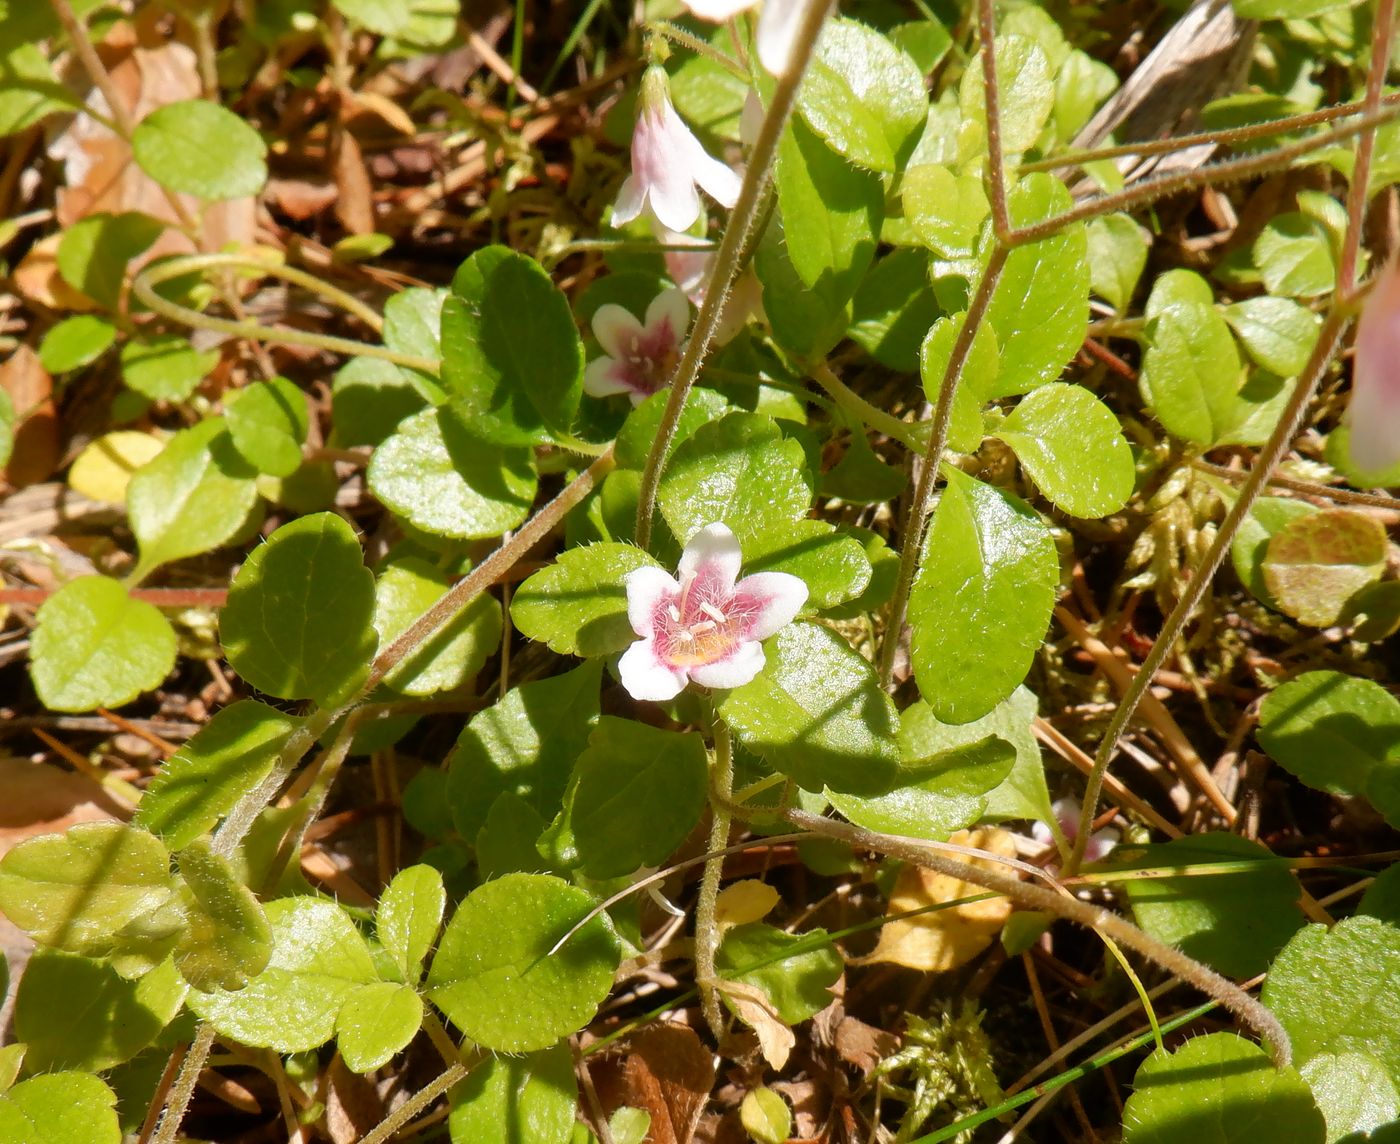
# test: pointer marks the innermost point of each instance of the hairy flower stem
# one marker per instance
(387, 1128)
(728, 260)
(178, 1102)
(1249, 1011)
(706, 931)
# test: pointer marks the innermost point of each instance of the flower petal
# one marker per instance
(765, 602)
(713, 555)
(603, 378)
(777, 29)
(719, 179)
(734, 670)
(646, 677)
(649, 589)
(615, 327)
(717, 11)
(1373, 413)
(631, 198)
(669, 307)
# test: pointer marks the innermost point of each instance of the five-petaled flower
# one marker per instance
(1067, 818)
(1373, 412)
(667, 164)
(640, 356)
(703, 625)
(777, 26)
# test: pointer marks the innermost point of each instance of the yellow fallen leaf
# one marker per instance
(104, 468)
(944, 939)
(743, 902)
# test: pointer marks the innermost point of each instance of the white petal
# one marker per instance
(1373, 412)
(771, 599)
(777, 29)
(716, 11)
(615, 326)
(648, 587)
(670, 306)
(714, 550)
(646, 677)
(598, 379)
(1040, 831)
(631, 198)
(719, 179)
(736, 669)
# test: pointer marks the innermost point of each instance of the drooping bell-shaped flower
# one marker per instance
(1067, 818)
(668, 164)
(704, 625)
(690, 270)
(777, 25)
(639, 356)
(1373, 413)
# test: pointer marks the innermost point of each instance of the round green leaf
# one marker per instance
(441, 478)
(408, 917)
(578, 606)
(945, 210)
(1117, 253)
(76, 342)
(1318, 561)
(94, 646)
(297, 623)
(893, 307)
(1191, 371)
(226, 939)
(833, 565)
(165, 367)
(1266, 517)
(1277, 333)
(817, 712)
(318, 960)
(194, 496)
(739, 471)
(60, 1108)
(795, 971)
(1220, 1088)
(983, 598)
(1073, 449)
(413, 325)
(1353, 1091)
(976, 382)
(639, 791)
(1295, 257)
(201, 148)
(495, 975)
(516, 1100)
(766, 1116)
(376, 1022)
(639, 430)
(1027, 93)
(383, 17)
(93, 253)
(368, 400)
(405, 590)
(268, 424)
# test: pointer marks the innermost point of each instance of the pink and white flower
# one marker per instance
(1373, 412)
(690, 270)
(777, 26)
(639, 356)
(704, 625)
(668, 163)
(1067, 818)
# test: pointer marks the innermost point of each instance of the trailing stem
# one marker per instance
(706, 931)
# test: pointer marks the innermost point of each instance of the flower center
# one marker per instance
(695, 631)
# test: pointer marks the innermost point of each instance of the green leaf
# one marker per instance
(1266, 517)
(817, 712)
(495, 975)
(1220, 1088)
(382, 17)
(1026, 92)
(1191, 370)
(165, 367)
(1117, 255)
(173, 145)
(376, 1023)
(516, 1100)
(639, 430)
(195, 496)
(94, 646)
(1317, 561)
(975, 383)
(318, 960)
(1040, 310)
(864, 96)
(807, 323)
(93, 253)
(1337, 733)
(509, 839)
(982, 600)
(765, 1116)
(709, 96)
(511, 352)
(740, 471)
(212, 770)
(268, 423)
(922, 735)
(1071, 446)
(76, 342)
(1295, 258)
(408, 917)
(1353, 1091)
(456, 652)
(76, 1013)
(7, 427)
(60, 1108)
(368, 400)
(526, 744)
(892, 308)
(297, 623)
(78, 890)
(639, 791)
(413, 325)
(945, 210)
(578, 605)
(795, 971)
(226, 940)
(1333, 991)
(834, 566)
(1234, 921)
(1276, 333)
(831, 213)
(436, 474)
(29, 89)
(1284, 9)
(935, 796)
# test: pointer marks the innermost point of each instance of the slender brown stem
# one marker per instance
(706, 930)
(996, 161)
(1305, 488)
(81, 44)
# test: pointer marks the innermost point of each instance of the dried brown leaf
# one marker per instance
(37, 445)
